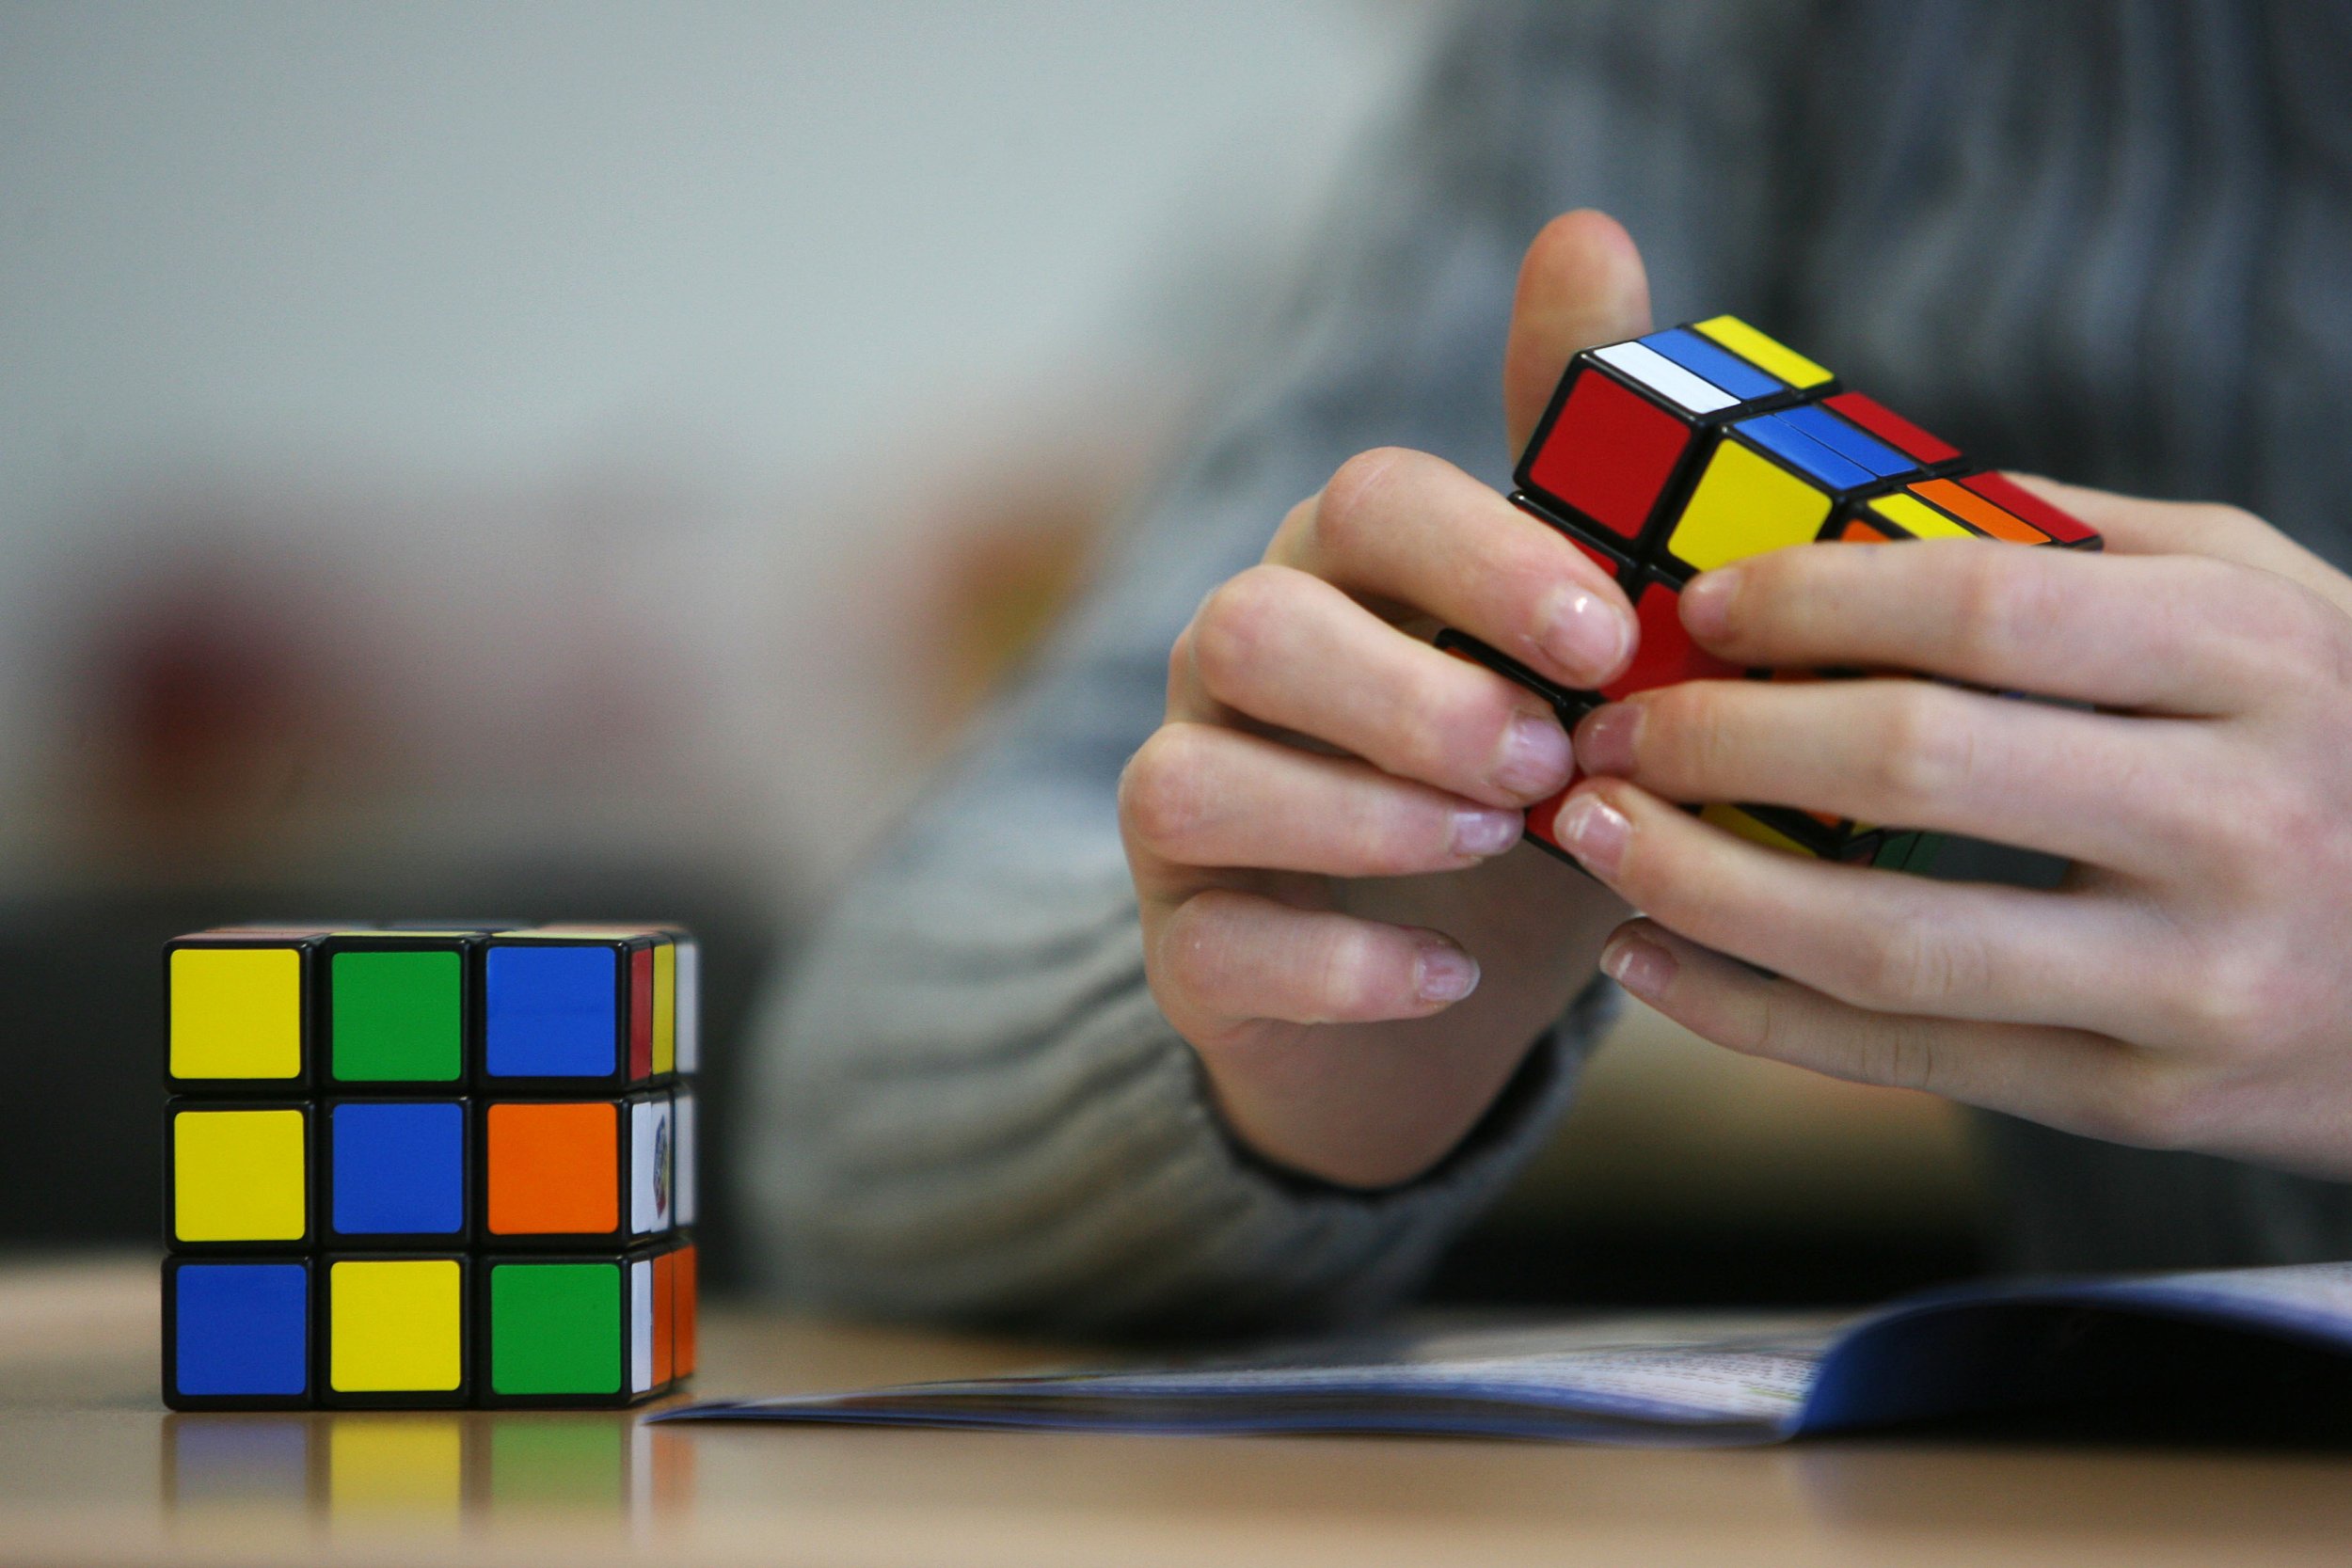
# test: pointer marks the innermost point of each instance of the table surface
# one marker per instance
(92, 1469)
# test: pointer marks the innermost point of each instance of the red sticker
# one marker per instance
(1892, 428)
(1666, 654)
(1609, 455)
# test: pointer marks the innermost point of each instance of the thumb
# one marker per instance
(1580, 284)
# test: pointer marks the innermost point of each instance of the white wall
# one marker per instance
(432, 273)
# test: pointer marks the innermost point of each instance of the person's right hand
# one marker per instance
(1318, 830)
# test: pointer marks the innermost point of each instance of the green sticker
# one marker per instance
(555, 1328)
(397, 1017)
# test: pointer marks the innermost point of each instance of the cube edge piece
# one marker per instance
(324, 1339)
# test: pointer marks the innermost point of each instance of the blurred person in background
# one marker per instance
(1206, 992)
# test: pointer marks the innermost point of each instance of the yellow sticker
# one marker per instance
(236, 1012)
(1766, 354)
(664, 1006)
(238, 1175)
(1733, 820)
(1744, 505)
(394, 1326)
(1917, 518)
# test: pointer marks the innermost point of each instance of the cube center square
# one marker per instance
(1697, 445)
(396, 1016)
(397, 1169)
(552, 1010)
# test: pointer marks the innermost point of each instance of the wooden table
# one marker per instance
(92, 1470)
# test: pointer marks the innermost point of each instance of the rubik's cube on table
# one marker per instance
(1700, 444)
(412, 1168)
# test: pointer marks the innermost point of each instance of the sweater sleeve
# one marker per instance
(964, 1103)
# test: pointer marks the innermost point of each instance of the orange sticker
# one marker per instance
(1979, 513)
(554, 1170)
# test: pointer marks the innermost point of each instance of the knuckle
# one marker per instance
(2004, 599)
(1923, 754)
(2307, 637)
(2232, 1003)
(1187, 954)
(1351, 499)
(1180, 663)
(1687, 735)
(2154, 1105)
(1161, 798)
(1237, 622)
(1357, 977)
(1909, 963)
(1902, 1057)
(2222, 522)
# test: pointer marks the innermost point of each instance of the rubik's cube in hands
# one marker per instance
(412, 1168)
(1701, 445)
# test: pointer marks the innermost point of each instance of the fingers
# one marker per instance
(2166, 634)
(2068, 1078)
(1226, 957)
(2135, 795)
(1875, 938)
(1405, 528)
(2133, 526)
(1580, 284)
(1292, 651)
(1203, 795)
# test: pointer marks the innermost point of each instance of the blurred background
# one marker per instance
(589, 460)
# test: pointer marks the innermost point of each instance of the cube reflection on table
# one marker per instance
(408, 1168)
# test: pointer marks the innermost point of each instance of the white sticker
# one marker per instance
(682, 1159)
(650, 1161)
(640, 1325)
(1662, 375)
(690, 1006)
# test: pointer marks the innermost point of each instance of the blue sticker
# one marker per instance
(1882, 461)
(399, 1169)
(1808, 456)
(242, 1329)
(551, 1012)
(1722, 367)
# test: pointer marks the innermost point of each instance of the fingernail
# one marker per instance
(1707, 602)
(1595, 832)
(1481, 832)
(1641, 967)
(1586, 636)
(1445, 974)
(1604, 742)
(1536, 756)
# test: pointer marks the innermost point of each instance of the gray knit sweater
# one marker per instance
(2107, 242)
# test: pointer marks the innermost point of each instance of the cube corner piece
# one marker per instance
(237, 1010)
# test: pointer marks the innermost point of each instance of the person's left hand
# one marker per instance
(2189, 984)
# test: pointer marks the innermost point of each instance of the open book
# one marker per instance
(2242, 1352)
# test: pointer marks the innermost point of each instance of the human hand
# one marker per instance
(1317, 831)
(2187, 985)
